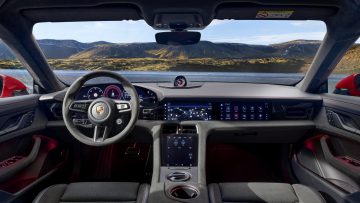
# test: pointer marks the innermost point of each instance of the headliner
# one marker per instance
(91, 10)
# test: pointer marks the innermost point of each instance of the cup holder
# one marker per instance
(184, 192)
(179, 176)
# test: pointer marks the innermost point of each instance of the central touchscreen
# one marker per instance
(187, 111)
(180, 150)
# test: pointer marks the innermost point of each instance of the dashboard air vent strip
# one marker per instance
(189, 129)
(169, 129)
(298, 111)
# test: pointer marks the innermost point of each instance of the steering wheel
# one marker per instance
(104, 114)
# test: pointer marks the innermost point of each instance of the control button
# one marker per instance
(77, 106)
(123, 106)
(244, 108)
(82, 122)
(119, 121)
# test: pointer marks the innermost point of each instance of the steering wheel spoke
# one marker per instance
(80, 106)
(122, 106)
(100, 133)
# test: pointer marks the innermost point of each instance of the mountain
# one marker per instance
(58, 49)
(203, 49)
(63, 49)
(297, 48)
(350, 63)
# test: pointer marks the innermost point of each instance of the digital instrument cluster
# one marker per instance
(226, 111)
(116, 91)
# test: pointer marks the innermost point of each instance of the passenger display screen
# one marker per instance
(244, 111)
(187, 111)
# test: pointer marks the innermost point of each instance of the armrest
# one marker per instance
(338, 163)
(11, 170)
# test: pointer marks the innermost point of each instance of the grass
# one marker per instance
(201, 65)
(272, 65)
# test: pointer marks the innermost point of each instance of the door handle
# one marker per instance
(23, 121)
(338, 121)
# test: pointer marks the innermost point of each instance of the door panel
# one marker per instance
(19, 116)
(330, 161)
(27, 158)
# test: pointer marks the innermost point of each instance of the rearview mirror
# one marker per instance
(10, 87)
(177, 38)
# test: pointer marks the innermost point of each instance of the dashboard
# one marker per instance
(208, 101)
(202, 109)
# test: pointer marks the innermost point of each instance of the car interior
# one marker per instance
(178, 140)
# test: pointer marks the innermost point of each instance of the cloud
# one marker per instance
(131, 22)
(273, 38)
(298, 23)
(99, 24)
(307, 23)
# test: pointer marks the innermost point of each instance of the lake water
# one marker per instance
(69, 76)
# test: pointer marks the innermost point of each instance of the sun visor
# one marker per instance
(249, 12)
(103, 13)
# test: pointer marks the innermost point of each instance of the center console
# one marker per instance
(179, 160)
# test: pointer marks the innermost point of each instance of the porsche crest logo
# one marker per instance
(99, 109)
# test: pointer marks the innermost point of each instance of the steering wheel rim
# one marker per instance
(69, 99)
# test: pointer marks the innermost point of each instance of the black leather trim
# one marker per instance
(263, 192)
(95, 192)
(214, 193)
(143, 193)
(50, 194)
(306, 194)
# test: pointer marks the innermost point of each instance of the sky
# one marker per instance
(246, 31)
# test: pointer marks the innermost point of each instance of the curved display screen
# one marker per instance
(244, 111)
(187, 111)
(226, 111)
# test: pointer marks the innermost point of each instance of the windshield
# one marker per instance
(229, 51)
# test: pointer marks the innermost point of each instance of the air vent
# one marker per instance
(169, 129)
(56, 110)
(298, 111)
(292, 111)
(189, 129)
